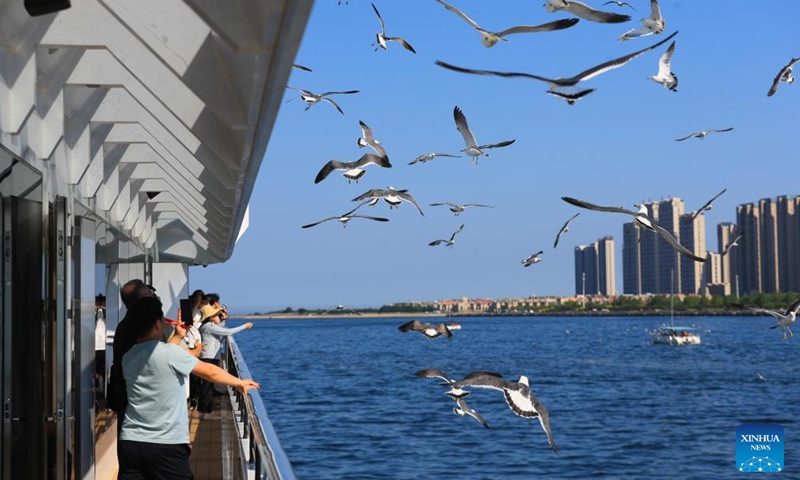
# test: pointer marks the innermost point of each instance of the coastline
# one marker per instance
(644, 313)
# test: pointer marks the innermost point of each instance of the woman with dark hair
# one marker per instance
(154, 442)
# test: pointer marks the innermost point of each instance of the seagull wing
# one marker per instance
(468, 411)
(328, 168)
(445, 203)
(564, 229)
(408, 198)
(686, 137)
(571, 97)
(346, 92)
(476, 205)
(655, 11)
(461, 14)
(377, 219)
(367, 133)
(402, 42)
(321, 221)
(446, 155)
(793, 307)
(374, 193)
(756, 309)
(463, 128)
(677, 246)
(334, 104)
(484, 381)
(599, 208)
(723, 130)
(492, 72)
(664, 65)
(428, 372)
(497, 145)
(299, 90)
(300, 67)
(383, 28)
(642, 31)
(730, 244)
(545, 27)
(707, 204)
(544, 421)
(371, 158)
(779, 77)
(437, 242)
(586, 12)
(453, 236)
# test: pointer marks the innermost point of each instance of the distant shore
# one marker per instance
(645, 313)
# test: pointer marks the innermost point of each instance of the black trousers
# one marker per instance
(153, 461)
(205, 403)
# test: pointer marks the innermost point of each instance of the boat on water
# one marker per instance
(676, 335)
(454, 326)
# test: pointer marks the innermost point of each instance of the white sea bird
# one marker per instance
(473, 149)
(785, 320)
(430, 330)
(430, 156)
(564, 229)
(703, 134)
(312, 99)
(391, 196)
(381, 38)
(353, 170)
(449, 242)
(519, 397)
(535, 258)
(458, 394)
(619, 4)
(642, 219)
(490, 39)
(585, 11)
(344, 218)
(367, 139)
(571, 97)
(730, 244)
(708, 205)
(654, 24)
(665, 76)
(564, 82)
(457, 209)
(785, 75)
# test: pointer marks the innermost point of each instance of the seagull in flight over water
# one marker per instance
(702, 135)
(654, 24)
(619, 4)
(353, 170)
(430, 330)
(707, 205)
(665, 76)
(641, 219)
(519, 397)
(785, 75)
(564, 229)
(450, 242)
(458, 394)
(785, 320)
(731, 244)
(431, 156)
(391, 196)
(381, 38)
(458, 209)
(367, 139)
(312, 99)
(344, 218)
(585, 11)
(535, 258)
(473, 150)
(490, 39)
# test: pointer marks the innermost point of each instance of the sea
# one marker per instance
(345, 403)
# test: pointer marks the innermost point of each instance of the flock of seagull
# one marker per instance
(518, 395)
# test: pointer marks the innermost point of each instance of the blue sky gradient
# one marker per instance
(614, 147)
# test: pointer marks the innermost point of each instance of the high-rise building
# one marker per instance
(606, 270)
(669, 212)
(770, 267)
(631, 260)
(748, 253)
(594, 268)
(713, 276)
(726, 232)
(649, 258)
(693, 237)
(788, 243)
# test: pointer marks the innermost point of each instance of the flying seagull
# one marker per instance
(730, 244)
(381, 38)
(473, 150)
(665, 76)
(457, 209)
(535, 258)
(707, 205)
(563, 230)
(619, 4)
(300, 67)
(367, 139)
(342, 308)
(391, 196)
(785, 75)
(642, 219)
(490, 39)
(703, 134)
(585, 11)
(654, 24)
(428, 329)
(571, 98)
(312, 99)
(353, 170)
(564, 82)
(458, 394)
(431, 156)
(519, 397)
(785, 320)
(450, 242)
(346, 218)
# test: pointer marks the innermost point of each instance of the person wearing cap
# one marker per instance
(154, 442)
(213, 334)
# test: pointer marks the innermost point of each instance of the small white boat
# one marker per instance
(676, 335)
(454, 326)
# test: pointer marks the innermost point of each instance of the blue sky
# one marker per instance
(614, 147)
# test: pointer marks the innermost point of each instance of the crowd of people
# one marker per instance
(161, 369)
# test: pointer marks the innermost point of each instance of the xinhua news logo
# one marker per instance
(759, 448)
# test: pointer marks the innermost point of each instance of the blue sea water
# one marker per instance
(343, 398)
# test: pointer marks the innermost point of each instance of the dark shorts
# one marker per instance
(153, 461)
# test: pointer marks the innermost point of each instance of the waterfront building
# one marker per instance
(595, 270)
(726, 232)
(631, 260)
(693, 237)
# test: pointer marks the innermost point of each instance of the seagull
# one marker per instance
(665, 76)
(450, 242)
(473, 150)
(391, 196)
(585, 11)
(381, 37)
(563, 230)
(312, 99)
(730, 244)
(430, 330)
(368, 140)
(519, 397)
(300, 67)
(535, 258)
(571, 98)
(458, 394)
(785, 75)
(457, 209)
(785, 320)
(703, 134)
(342, 308)
(642, 219)
(707, 205)
(346, 218)
(353, 170)
(619, 4)
(430, 156)
(654, 24)
(564, 82)
(490, 39)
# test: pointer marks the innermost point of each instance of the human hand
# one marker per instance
(247, 384)
(248, 325)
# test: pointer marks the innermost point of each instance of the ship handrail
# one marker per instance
(263, 453)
